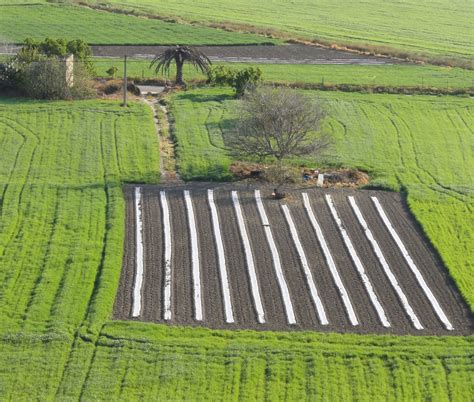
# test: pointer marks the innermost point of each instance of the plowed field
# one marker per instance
(339, 261)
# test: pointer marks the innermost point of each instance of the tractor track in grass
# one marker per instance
(306, 316)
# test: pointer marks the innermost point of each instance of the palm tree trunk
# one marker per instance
(179, 71)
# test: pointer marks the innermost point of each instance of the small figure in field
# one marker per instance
(277, 195)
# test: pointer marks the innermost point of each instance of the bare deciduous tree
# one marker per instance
(279, 123)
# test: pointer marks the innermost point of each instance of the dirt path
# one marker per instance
(168, 173)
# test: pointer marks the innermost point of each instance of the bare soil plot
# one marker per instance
(284, 54)
(346, 270)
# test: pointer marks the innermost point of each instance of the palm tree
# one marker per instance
(180, 54)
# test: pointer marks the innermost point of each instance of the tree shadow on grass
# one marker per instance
(202, 98)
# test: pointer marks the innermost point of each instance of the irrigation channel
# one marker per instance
(225, 256)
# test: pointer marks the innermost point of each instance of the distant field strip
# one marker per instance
(385, 266)
(99, 27)
(137, 288)
(249, 259)
(195, 260)
(387, 75)
(437, 27)
(272, 268)
(419, 277)
(353, 253)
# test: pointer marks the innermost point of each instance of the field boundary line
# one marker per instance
(305, 265)
(290, 314)
(137, 287)
(418, 275)
(195, 261)
(229, 315)
(167, 259)
(249, 259)
(352, 252)
(391, 276)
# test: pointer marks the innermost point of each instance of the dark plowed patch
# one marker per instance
(284, 54)
(183, 309)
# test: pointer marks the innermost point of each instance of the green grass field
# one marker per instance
(98, 27)
(433, 27)
(386, 75)
(423, 144)
(61, 244)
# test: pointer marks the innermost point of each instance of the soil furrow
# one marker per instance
(152, 299)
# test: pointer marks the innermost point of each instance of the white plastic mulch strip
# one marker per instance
(195, 261)
(290, 314)
(353, 253)
(167, 238)
(419, 277)
(229, 316)
(137, 286)
(391, 277)
(249, 259)
(304, 263)
(332, 266)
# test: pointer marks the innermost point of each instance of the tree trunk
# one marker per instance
(179, 72)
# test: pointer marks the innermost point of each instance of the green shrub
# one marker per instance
(241, 80)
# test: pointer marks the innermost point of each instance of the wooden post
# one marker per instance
(125, 83)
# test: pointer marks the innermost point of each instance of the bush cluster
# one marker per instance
(39, 70)
(240, 80)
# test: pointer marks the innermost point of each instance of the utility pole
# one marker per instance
(125, 83)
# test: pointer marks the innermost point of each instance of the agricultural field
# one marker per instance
(386, 75)
(61, 204)
(62, 236)
(432, 27)
(230, 257)
(419, 143)
(97, 27)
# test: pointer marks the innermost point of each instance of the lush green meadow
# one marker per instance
(423, 144)
(384, 75)
(61, 244)
(100, 27)
(61, 225)
(434, 27)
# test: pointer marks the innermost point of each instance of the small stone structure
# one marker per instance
(69, 62)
